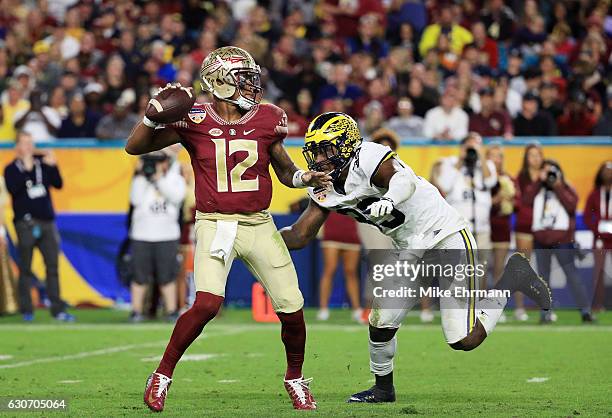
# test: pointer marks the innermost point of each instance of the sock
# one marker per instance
(381, 356)
(187, 328)
(293, 334)
(489, 310)
(385, 382)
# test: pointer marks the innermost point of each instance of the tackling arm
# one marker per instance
(305, 228)
(144, 139)
(290, 175)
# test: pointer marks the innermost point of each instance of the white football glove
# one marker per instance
(381, 208)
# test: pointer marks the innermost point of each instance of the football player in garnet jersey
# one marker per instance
(231, 142)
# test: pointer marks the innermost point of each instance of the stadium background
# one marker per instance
(93, 204)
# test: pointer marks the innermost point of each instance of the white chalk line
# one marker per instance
(100, 352)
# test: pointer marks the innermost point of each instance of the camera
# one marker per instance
(149, 163)
(471, 157)
(551, 177)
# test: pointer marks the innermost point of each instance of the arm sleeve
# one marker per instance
(402, 184)
(447, 175)
(568, 197)
(490, 181)
(138, 189)
(52, 176)
(172, 187)
(15, 180)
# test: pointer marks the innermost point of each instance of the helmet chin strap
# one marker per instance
(241, 102)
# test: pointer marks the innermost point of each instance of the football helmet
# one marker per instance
(228, 70)
(331, 141)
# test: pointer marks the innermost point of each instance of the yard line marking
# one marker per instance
(538, 379)
(5, 357)
(100, 352)
(69, 381)
(228, 381)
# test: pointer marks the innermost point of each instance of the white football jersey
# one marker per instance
(417, 223)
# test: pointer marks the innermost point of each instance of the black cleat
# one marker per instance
(588, 318)
(519, 276)
(373, 395)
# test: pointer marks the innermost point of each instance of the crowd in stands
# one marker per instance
(431, 69)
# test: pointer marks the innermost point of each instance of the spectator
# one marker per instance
(12, 102)
(504, 195)
(405, 124)
(29, 179)
(576, 118)
(80, 122)
(490, 122)
(447, 121)
(551, 103)
(378, 91)
(41, 122)
(554, 224)
(423, 98)
(598, 218)
(118, 124)
(498, 19)
(466, 182)
(374, 118)
(604, 125)
(527, 185)
(340, 242)
(368, 40)
(485, 45)
(338, 85)
(156, 196)
(530, 121)
(458, 35)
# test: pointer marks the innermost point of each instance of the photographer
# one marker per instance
(554, 223)
(156, 196)
(29, 179)
(466, 182)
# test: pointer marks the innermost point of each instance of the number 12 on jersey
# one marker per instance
(238, 184)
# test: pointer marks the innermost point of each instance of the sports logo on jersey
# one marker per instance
(320, 194)
(197, 115)
(232, 132)
(215, 132)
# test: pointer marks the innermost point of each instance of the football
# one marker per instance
(170, 104)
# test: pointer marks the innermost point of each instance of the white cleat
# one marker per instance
(323, 314)
(427, 316)
(358, 316)
(520, 315)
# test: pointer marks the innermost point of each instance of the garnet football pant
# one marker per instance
(262, 249)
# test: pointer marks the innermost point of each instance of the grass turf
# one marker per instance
(100, 365)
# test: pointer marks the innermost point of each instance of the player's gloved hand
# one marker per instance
(381, 208)
(317, 179)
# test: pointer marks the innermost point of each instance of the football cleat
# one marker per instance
(373, 395)
(156, 391)
(519, 276)
(299, 392)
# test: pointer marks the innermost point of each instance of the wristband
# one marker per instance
(298, 183)
(149, 123)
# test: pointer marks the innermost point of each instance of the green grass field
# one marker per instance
(236, 368)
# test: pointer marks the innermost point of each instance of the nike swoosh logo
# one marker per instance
(248, 132)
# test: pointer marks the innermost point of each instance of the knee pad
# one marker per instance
(206, 305)
(381, 335)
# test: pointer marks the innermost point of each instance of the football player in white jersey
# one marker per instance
(374, 186)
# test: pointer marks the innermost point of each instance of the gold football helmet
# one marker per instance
(228, 70)
(332, 139)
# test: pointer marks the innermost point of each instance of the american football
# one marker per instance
(170, 104)
(271, 208)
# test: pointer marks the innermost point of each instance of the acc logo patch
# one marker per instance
(196, 115)
(215, 132)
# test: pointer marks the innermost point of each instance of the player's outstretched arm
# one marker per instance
(306, 227)
(144, 139)
(290, 175)
(400, 183)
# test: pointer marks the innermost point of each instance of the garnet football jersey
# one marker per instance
(231, 160)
